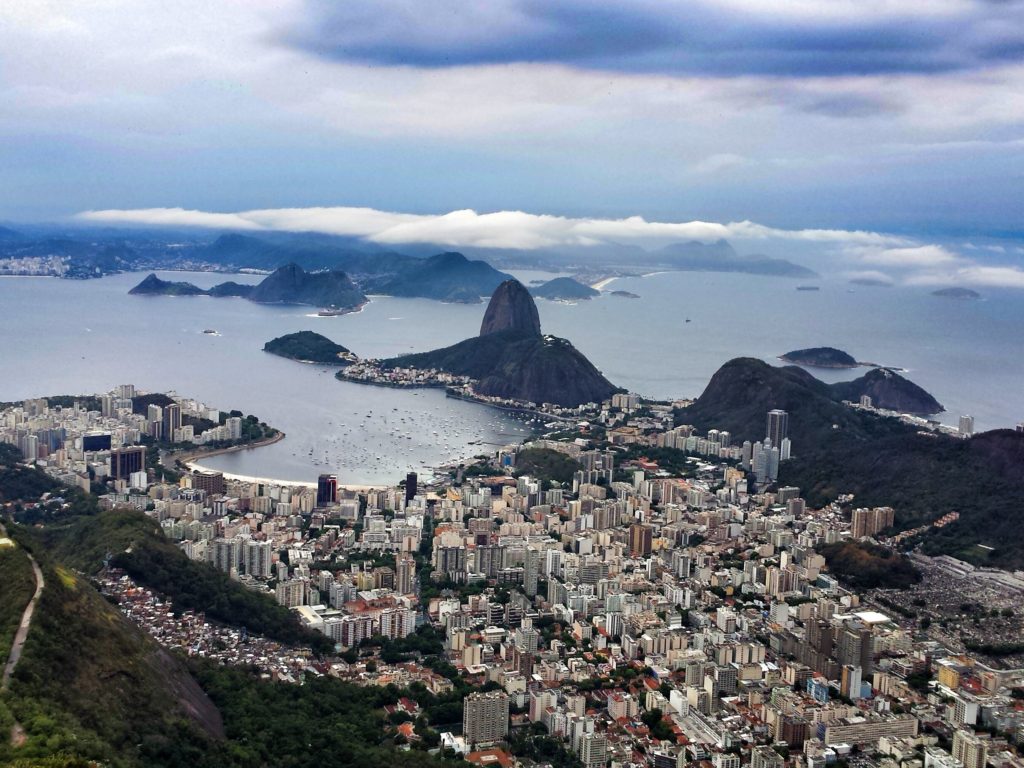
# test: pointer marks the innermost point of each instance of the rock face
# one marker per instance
(511, 309)
(887, 389)
(291, 284)
(546, 369)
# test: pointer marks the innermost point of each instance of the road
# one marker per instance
(17, 732)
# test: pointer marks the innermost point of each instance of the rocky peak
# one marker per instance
(511, 308)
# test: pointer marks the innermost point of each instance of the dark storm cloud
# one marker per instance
(700, 37)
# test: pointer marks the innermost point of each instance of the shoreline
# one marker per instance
(282, 482)
(191, 457)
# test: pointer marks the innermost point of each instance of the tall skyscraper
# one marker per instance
(171, 420)
(326, 490)
(849, 684)
(640, 539)
(966, 426)
(485, 718)
(410, 487)
(531, 571)
(778, 426)
(258, 559)
(124, 461)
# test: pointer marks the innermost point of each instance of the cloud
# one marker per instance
(975, 274)
(499, 229)
(170, 217)
(869, 275)
(917, 256)
(718, 37)
(719, 163)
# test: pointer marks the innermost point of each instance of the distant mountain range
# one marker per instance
(720, 256)
(511, 358)
(93, 252)
(446, 277)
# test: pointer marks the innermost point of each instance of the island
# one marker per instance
(870, 282)
(564, 289)
(808, 288)
(821, 357)
(290, 284)
(956, 293)
(309, 347)
(625, 294)
(154, 286)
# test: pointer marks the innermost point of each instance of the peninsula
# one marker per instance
(511, 362)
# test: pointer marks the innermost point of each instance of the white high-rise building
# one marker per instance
(257, 559)
(966, 426)
(969, 750)
(485, 718)
(593, 752)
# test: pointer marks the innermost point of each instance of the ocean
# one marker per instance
(62, 336)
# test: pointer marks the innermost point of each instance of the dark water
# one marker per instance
(87, 336)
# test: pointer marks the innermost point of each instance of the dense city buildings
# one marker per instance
(633, 610)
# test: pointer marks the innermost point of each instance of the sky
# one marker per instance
(887, 133)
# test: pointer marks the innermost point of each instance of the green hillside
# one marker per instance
(92, 685)
(136, 544)
(880, 460)
(18, 585)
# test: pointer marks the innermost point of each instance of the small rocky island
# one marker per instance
(821, 357)
(956, 293)
(564, 289)
(309, 347)
(625, 294)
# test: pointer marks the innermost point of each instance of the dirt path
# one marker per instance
(17, 732)
(26, 622)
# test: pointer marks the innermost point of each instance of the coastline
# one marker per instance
(456, 395)
(192, 457)
(282, 482)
